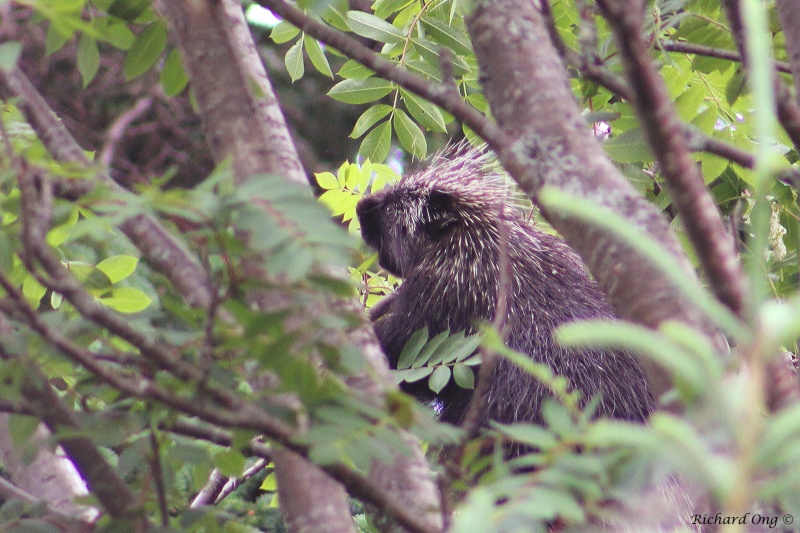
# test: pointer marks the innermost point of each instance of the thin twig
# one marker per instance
(788, 112)
(10, 491)
(235, 482)
(158, 477)
(592, 69)
(118, 127)
(208, 494)
(358, 485)
(683, 47)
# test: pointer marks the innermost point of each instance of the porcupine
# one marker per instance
(439, 230)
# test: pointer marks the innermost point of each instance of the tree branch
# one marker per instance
(683, 47)
(117, 129)
(788, 112)
(694, 203)
(789, 16)
(696, 140)
(442, 95)
(168, 255)
(437, 93)
(525, 83)
(234, 483)
(104, 482)
(358, 485)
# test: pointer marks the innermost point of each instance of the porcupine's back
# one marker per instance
(440, 231)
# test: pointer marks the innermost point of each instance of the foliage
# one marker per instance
(576, 470)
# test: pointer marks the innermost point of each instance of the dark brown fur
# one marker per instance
(439, 231)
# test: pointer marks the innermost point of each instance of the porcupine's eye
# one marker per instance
(438, 215)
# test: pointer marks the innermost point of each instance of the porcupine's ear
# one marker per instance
(438, 215)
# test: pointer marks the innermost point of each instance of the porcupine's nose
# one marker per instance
(368, 213)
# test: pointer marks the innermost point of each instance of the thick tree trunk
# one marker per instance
(789, 16)
(43, 472)
(221, 60)
(527, 88)
(551, 145)
(242, 120)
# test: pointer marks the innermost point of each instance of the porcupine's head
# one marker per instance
(447, 209)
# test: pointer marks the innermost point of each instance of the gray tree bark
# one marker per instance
(43, 472)
(242, 120)
(789, 16)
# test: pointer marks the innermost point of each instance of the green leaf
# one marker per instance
(781, 430)
(424, 112)
(411, 375)
(317, 56)
(372, 27)
(377, 143)
(425, 69)
(688, 103)
(447, 35)
(556, 416)
(126, 300)
(94, 279)
(270, 483)
(6, 253)
(33, 290)
(645, 247)
(439, 378)
(706, 119)
(284, 32)
(696, 455)
(411, 137)
(629, 147)
(291, 260)
(360, 91)
(294, 61)
(643, 341)
(412, 348)
(88, 58)
(118, 267)
(612, 433)
(230, 463)
(9, 54)
(530, 434)
(146, 49)
(463, 376)
(128, 9)
(712, 166)
(369, 118)
(173, 75)
(384, 8)
(736, 86)
(430, 53)
(114, 32)
(355, 70)
(429, 349)
(57, 37)
(327, 181)
(468, 348)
